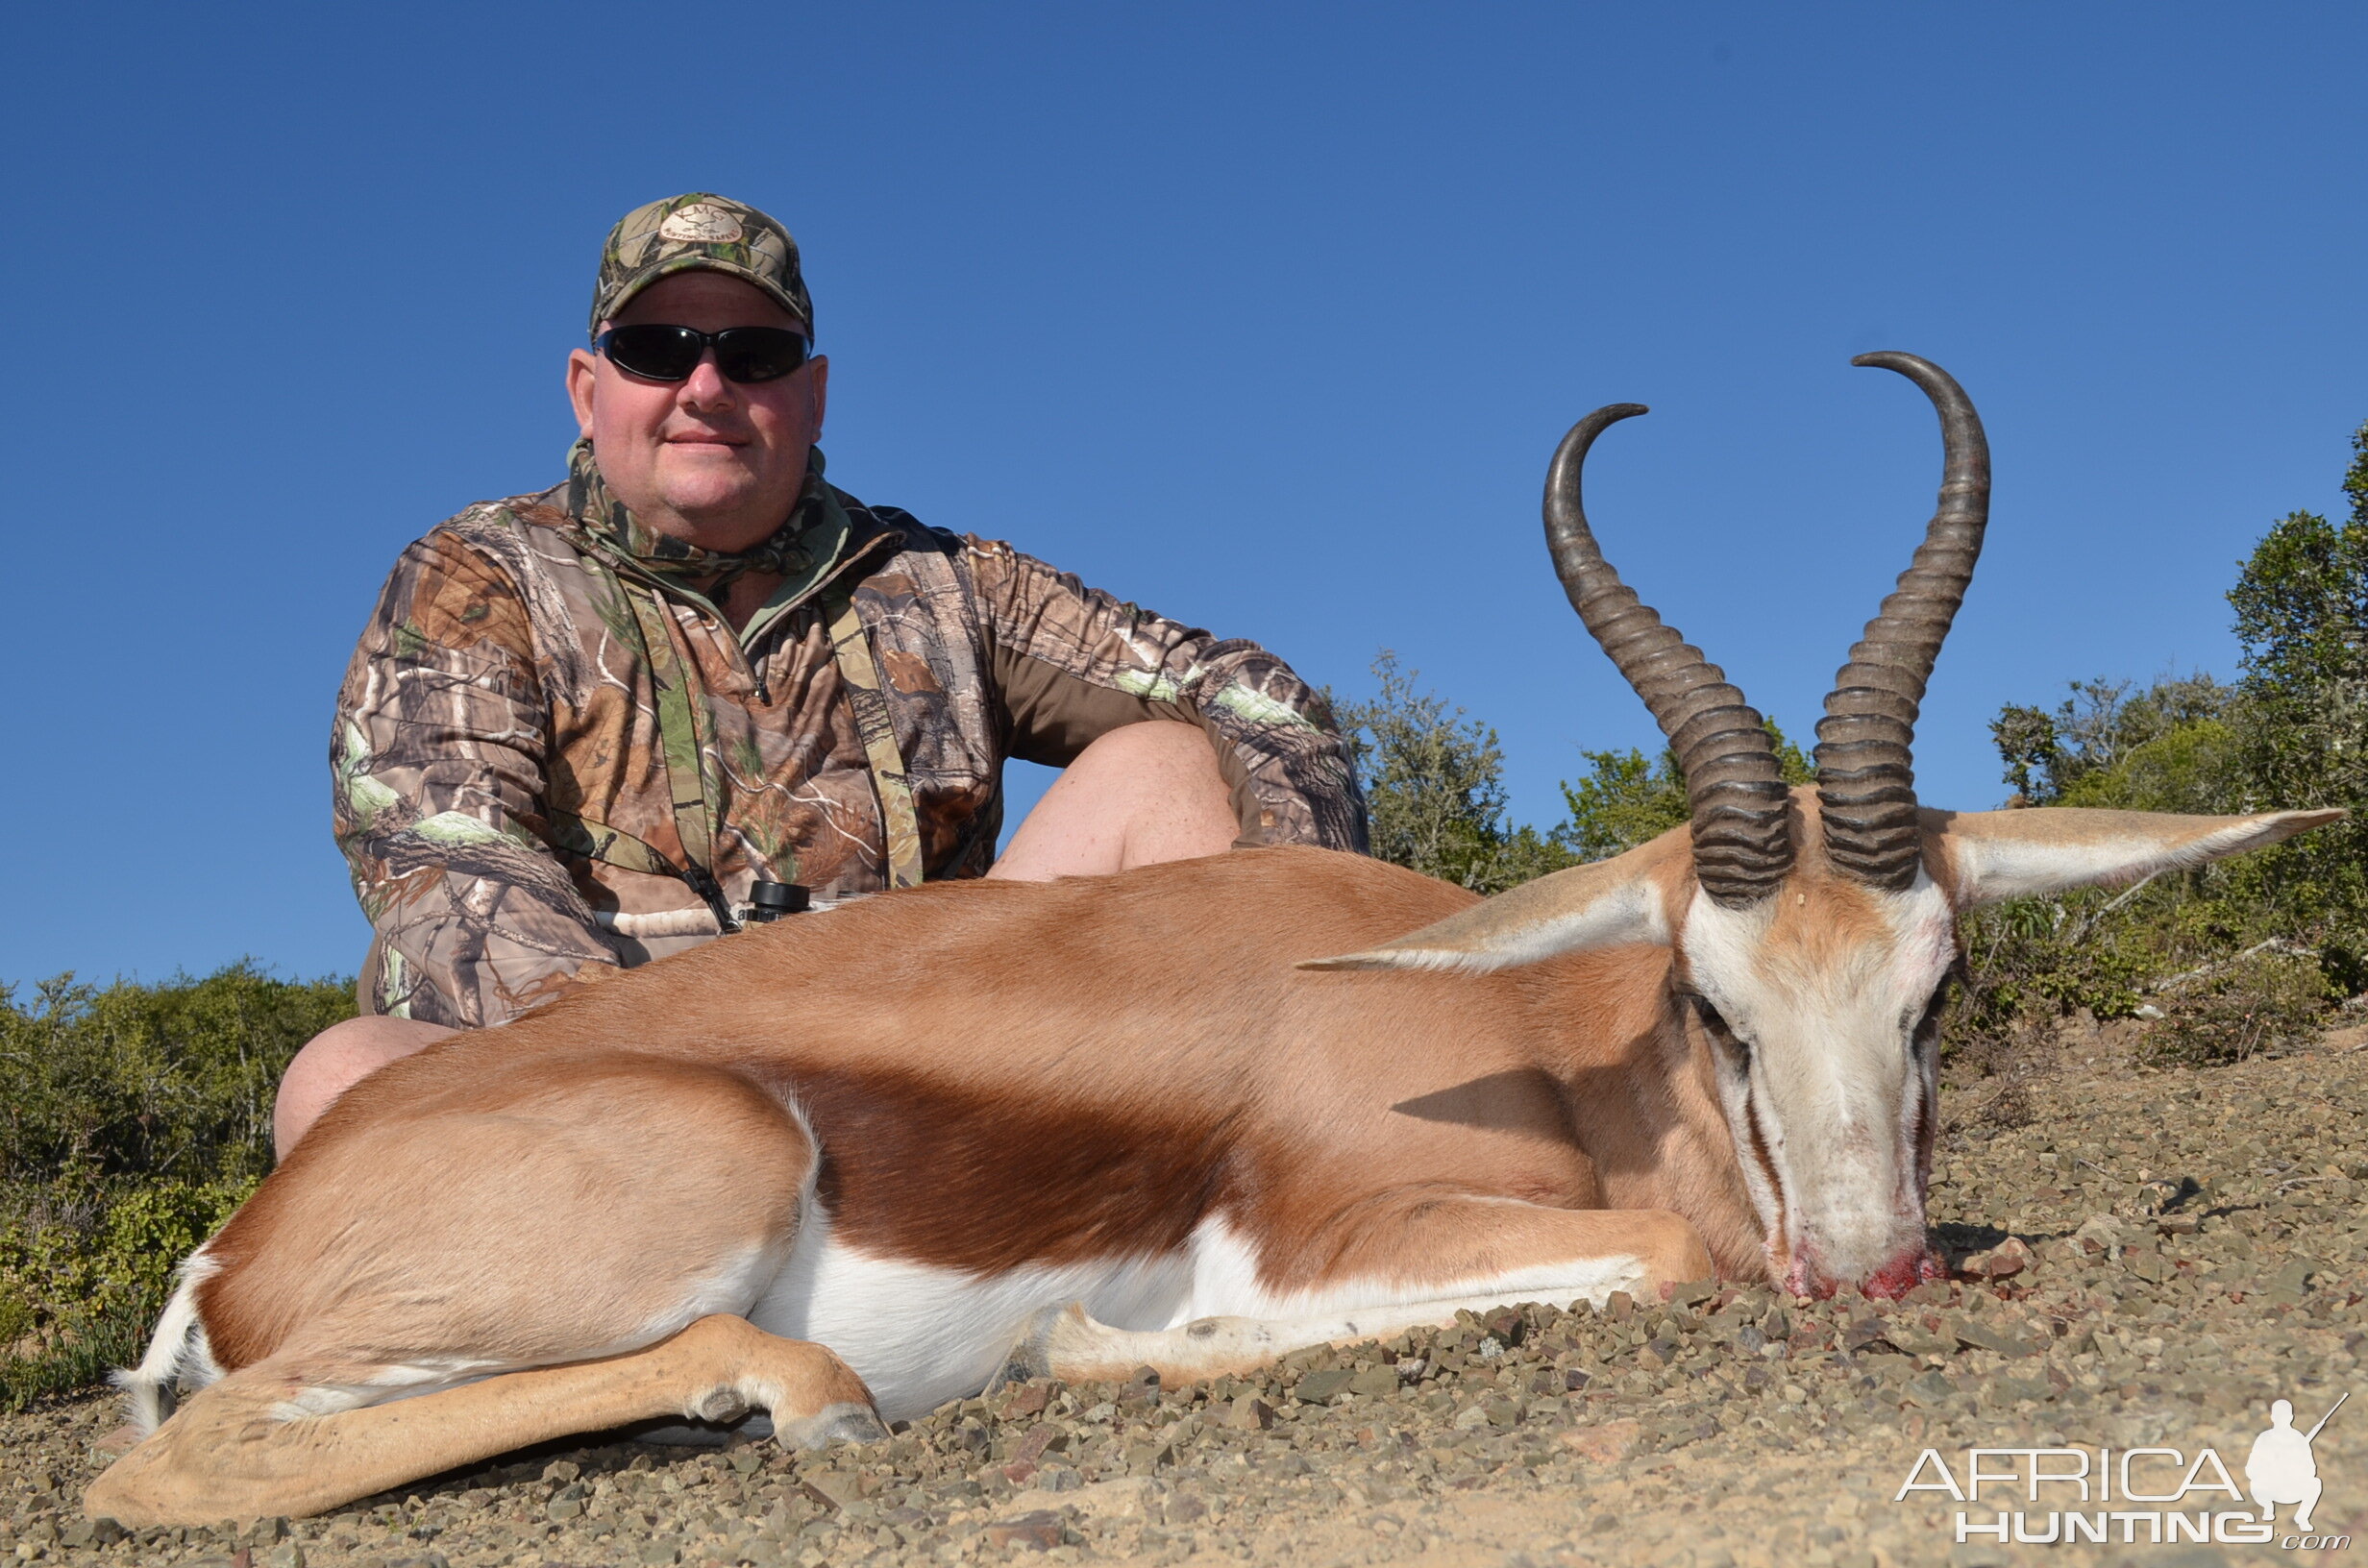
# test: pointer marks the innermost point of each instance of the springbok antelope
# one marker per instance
(849, 1166)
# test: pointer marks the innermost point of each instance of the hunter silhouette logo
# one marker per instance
(2137, 1496)
(2281, 1468)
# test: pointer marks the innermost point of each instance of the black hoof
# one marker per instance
(1031, 1356)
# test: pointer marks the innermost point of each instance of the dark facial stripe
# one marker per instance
(1759, 1156)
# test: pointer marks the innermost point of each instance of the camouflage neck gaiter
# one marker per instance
(609, 525)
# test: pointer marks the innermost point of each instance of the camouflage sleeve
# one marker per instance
(1073, 663)
(438, 766)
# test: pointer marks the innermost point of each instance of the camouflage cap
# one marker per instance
(695, 232)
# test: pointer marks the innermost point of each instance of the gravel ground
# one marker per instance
(2149, 1259)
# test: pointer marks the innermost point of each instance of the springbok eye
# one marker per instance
(1715, 1023)
(1928, 1027)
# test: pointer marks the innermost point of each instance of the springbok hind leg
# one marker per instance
(1398, 1263)
(239, 1449)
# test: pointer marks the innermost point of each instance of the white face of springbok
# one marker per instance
(1821, 1006)
(1813, 929)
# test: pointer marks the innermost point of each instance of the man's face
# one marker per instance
(716, 462)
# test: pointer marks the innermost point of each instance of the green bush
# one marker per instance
(167, 1079)
(2292, 733)
(83, 1274)
(1435, 790)
(133, 1121)
(2259, 1002)
(2053, 755)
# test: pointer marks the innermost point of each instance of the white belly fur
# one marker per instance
(919, 1334)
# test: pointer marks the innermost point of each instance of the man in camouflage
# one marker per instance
(583, 725)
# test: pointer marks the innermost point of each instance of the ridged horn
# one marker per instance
(1742, 846)
(1865, 768)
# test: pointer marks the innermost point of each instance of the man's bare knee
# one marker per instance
(336, 1060)
(1138, 795)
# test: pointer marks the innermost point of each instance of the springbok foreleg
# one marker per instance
(1405, 1262)
(240, 1449)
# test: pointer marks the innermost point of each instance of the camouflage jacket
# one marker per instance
(502, 789)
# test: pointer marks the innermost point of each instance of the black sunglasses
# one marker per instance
(670, 353)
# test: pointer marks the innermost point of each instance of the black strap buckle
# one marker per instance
(769, 902)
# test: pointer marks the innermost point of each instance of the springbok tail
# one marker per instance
(151, 1387)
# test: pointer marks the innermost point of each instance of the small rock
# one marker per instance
(2008, 1258)
(1250, 1414)
(1040, 1440)
(1982, 1337)
(1688, 1293)
(1125, 1498)
(1866, 1335)
(1605, 1443)
(1915, 1339)
(2004, 1391)
(1142, 1459)
(1930, 1391)
(1323, 1387)
(1374, 1382)
(832, 1489)
(1676, 1431)
(2099, 1231)
(1036, 1530)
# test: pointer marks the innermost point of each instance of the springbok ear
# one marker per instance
(1609, 904)
(2018, 854)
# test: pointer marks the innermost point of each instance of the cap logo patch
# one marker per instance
(702, 222)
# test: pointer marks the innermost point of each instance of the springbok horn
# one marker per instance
(1742, 846)
(1865, 774)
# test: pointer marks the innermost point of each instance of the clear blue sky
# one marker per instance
(1267, 316)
